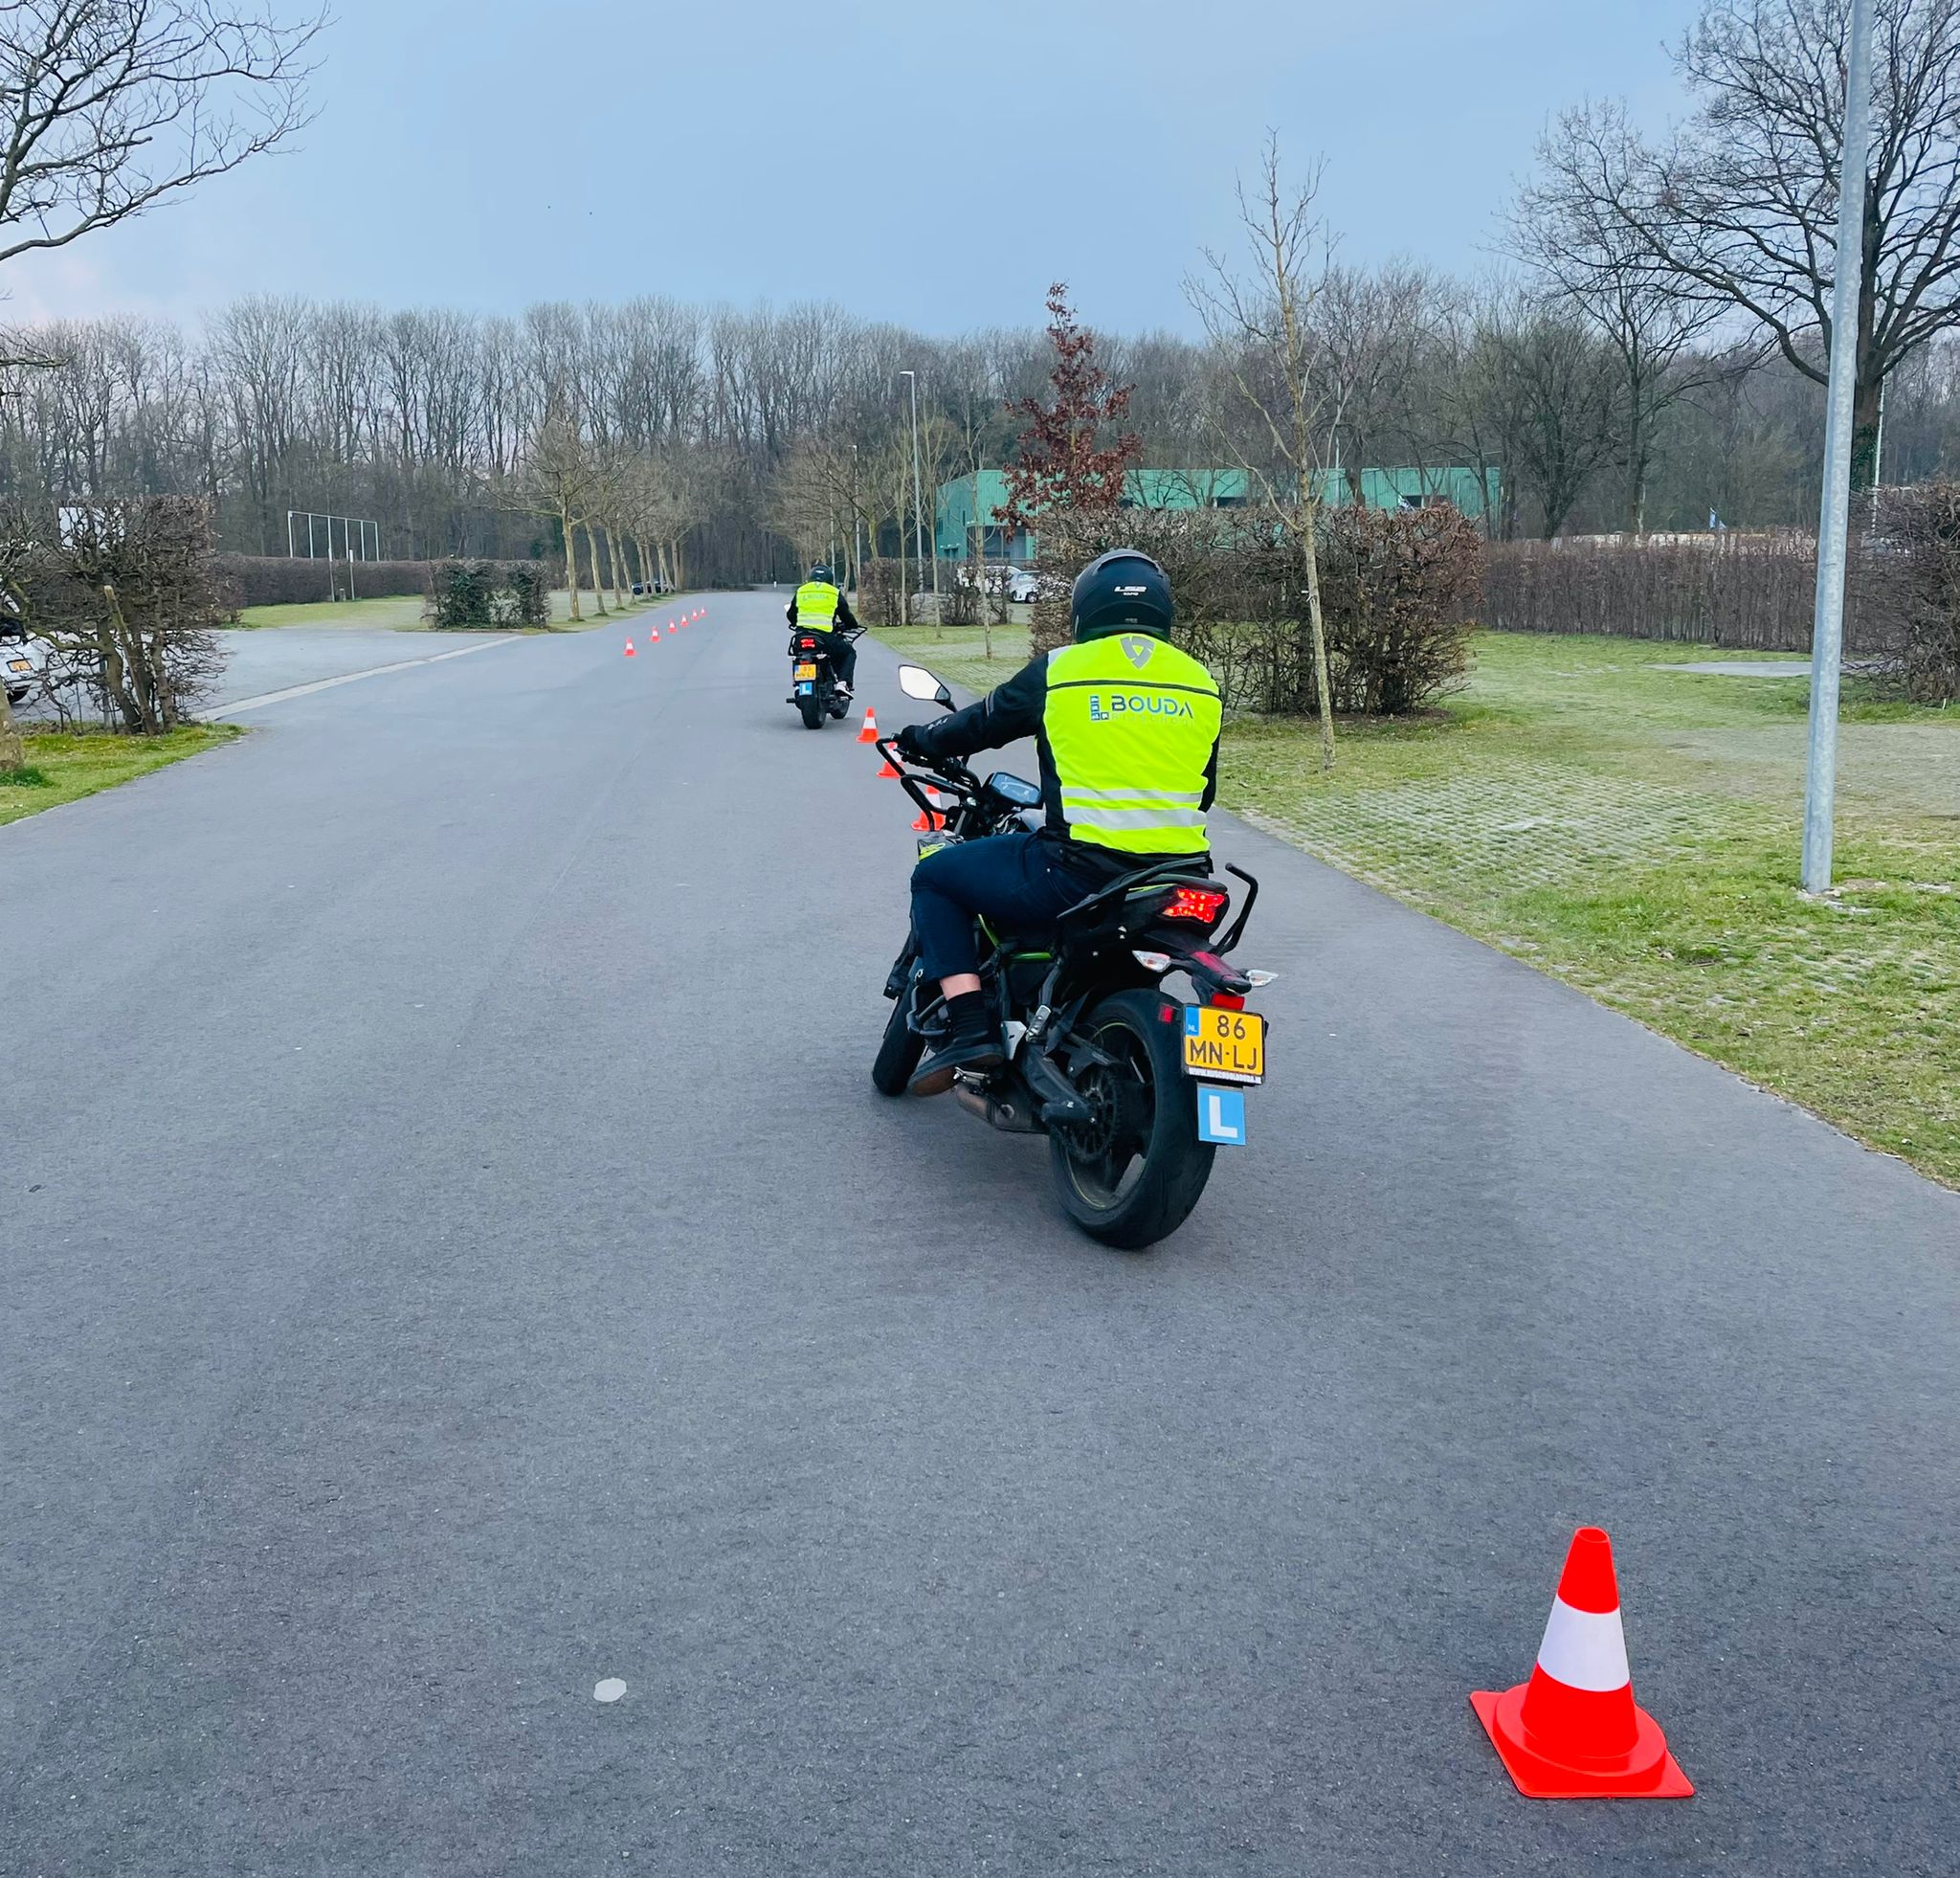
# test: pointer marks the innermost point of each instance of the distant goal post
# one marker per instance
(359, 540)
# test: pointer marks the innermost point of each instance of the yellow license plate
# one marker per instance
(19, 665)
(806, 671)
(1224, 1046)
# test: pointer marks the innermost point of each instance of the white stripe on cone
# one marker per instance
(1584, 1649)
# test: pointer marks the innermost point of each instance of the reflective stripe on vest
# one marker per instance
(817, 606)
(1131, 724)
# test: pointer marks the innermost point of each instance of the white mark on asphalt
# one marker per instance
(611, 1690)
(349, 678)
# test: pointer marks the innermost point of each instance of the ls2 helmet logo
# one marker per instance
(1121, 704)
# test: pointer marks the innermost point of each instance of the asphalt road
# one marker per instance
(450, 1254)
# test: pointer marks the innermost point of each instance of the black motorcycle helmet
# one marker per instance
(1121, 592)
(819, 572)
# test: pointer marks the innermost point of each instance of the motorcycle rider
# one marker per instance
(818, 606)
(1128, 728)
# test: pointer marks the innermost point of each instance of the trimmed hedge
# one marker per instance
(1751, 593)
(468, 593)
(256, 580)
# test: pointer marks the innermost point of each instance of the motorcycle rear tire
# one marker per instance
(899, 1050)
(811, 707)
(1174, 1163)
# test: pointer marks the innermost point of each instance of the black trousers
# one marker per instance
(841, 652)
(1019, 882)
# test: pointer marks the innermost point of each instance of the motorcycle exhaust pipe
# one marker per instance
(1010, 1115)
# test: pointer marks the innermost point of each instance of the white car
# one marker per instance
(1022, 587)
(20, 661)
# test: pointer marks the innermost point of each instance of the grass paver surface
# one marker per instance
(1634, 830)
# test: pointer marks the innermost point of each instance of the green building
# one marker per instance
(956, 513)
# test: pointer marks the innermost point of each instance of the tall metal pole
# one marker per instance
(918, 504)
(1827, 639)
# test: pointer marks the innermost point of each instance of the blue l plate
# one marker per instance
(1221, 1115)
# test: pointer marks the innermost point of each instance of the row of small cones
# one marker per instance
(927, 822)
(672, 626)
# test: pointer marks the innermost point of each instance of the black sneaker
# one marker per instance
(978, 1049)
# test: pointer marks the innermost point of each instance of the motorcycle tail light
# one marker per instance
(1227, 1001)
(1203, 904)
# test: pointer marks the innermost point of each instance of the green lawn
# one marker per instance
(64, 765)
(402, 612)
(1633, 830)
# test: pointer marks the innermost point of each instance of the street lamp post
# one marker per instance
(1834, 523)
(918, 504)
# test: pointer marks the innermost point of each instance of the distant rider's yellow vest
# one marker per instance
(1130, 723)
(817, 606)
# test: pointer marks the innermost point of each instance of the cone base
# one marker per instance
(1648, 1771)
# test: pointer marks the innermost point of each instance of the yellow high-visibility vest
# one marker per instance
(817, 606)
(1130, 723)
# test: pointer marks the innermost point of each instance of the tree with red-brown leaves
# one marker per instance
(1065, 480)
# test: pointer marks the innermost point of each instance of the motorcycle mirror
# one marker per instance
(916, 681)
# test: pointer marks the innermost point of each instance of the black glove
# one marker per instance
(911, 743)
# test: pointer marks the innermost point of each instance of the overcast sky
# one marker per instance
(930, 163)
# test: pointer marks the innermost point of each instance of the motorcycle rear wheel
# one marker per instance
(811, 707)
(1132, 1176)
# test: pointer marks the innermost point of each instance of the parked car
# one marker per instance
(1022, 585)
(20, 661)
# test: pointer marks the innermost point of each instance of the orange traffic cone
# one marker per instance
(1573, 1732)
(885, 770)
(629, 652)
(868, 733)
(653, 635)
(927, 823)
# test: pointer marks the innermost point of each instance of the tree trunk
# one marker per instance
(570, 559)
(599, 585)
(612, 562)
(1864, 435)
(13, 746)
(1317, 629)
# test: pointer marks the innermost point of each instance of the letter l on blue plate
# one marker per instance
(1221, 1115)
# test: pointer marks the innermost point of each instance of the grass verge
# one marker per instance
(402, 612)
(1634, 829)
(65, 765)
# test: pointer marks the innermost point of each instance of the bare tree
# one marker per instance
(555, 479)
(1740, 208)
(1367, 330)
(1612, 278)
(108, 106)
(1263, 324)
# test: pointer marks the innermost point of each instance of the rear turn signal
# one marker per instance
(1203, 904)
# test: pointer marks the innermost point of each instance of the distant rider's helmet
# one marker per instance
(819, 572)
(1121, 592)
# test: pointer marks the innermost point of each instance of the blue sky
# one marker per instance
(486, 155)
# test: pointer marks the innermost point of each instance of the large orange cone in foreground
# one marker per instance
(868, 732)
(1573, 1732)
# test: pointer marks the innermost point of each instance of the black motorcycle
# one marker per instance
(1134, 1088)
(812, 680)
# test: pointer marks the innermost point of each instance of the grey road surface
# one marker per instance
(453, 1257)
(276, 659)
